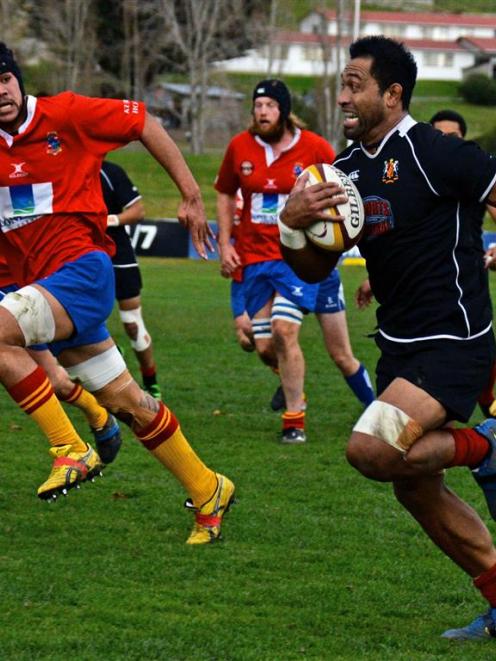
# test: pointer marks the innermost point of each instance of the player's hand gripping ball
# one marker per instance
(333, 235)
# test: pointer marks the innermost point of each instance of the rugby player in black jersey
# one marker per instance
(426, 269)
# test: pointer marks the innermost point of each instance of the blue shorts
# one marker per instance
(263, 279)
(86, 290)
(238, 299)
(330, 297)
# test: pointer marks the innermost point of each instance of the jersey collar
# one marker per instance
(30, 108)
(402, 127)
(269, 152)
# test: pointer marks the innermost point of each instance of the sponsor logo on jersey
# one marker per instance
(130, 107)
(298, 169)
(297, 290)
(246, 168)
(266, 207)
(271, 184)
(53, 144)
(23, 204)
(18, 170)
(355, 175)
(390, 173)
(379, 217)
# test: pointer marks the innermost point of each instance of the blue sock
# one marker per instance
(361, 385)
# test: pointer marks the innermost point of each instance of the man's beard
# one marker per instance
(272, 135)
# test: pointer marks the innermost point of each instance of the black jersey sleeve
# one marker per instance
(118, 190)
(455, 167)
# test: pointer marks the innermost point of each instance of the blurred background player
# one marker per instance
(264, 162)
(125, 207)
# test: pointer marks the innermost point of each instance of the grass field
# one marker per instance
(317, 562)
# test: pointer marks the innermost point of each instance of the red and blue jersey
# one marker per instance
(265, 182)
(51, 206)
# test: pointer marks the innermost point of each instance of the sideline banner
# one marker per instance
(167, 238)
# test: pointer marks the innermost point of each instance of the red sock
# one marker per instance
(151, 371)
(293, 420)
(160, 429)
(470, 448)
(486, 583)
(487, 396)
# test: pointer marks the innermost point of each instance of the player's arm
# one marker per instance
(131, 215)
(226, 207)
(191, 212)
(303, 207)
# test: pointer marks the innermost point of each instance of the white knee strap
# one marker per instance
(33, 314)
(93, 374)
(390, 424)
(261, 329)
(142, 340)
(286, 311)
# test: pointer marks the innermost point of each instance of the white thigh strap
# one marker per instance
(390, 424)
(93, 374)
(33, 314)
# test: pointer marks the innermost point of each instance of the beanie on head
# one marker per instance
(277, 90)
(9, 65)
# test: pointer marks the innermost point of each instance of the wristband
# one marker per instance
(113, 220)
(290, 238)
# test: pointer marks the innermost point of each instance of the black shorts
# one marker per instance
(127, 282)
(453, 372)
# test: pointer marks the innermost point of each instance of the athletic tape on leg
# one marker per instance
(390, 424)
(286, 310)
(142, 340)
(95, 373)
(33, 314)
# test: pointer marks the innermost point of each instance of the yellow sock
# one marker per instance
(34, 394)
(95, 414)
(164, 439)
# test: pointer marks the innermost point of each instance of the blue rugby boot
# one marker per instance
(108, 439)
(485, 474)
(482, 628)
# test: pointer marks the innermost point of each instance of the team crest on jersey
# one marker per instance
(53, 147)
(297, 169)
(390, 173)
(379, 217)
(246, 168)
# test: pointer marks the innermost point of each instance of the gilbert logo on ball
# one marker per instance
(336, 236)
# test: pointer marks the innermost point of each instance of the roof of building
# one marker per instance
(427, 18)
(285, 37)
(474, 44)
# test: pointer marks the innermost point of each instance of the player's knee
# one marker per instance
(345, 362)
(135, 329)
(128, 402)
(367, 458)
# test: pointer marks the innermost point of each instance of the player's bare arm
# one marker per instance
(364, 295)
(191, 212)
(229, 258)
(131, 215)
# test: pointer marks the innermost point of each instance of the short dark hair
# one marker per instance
(450, 116)
(392, 63)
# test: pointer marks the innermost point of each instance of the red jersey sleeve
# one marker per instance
(106, 124)
(227, 180)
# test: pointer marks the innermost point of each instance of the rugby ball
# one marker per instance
(336, 236)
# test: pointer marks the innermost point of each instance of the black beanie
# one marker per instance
(9, 65)
(277, 90)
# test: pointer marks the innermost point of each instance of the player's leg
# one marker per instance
(330, 312)
(32, 316)
(242, 322)
(487, 398)
(262, 336)
(141, 342)
(100, 368)
(103, 425)
(286, 322)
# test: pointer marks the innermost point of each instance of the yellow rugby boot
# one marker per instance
(208, 517)
(69, 469)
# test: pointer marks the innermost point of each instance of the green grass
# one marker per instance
(317, 562)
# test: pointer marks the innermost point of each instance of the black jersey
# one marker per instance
(422, 192)
(118, 193)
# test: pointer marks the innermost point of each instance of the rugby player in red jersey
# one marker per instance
(53, 234)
